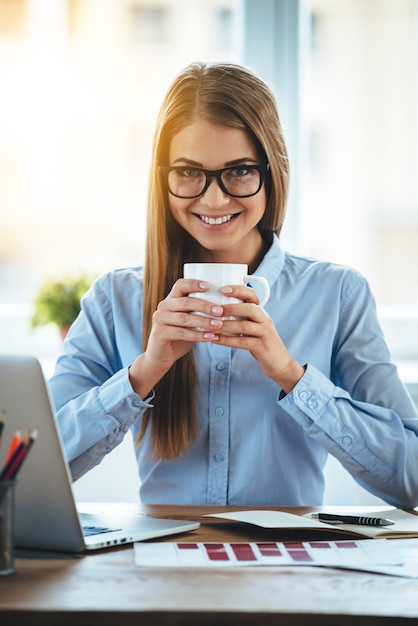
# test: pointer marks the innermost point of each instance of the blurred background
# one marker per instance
(81, 82)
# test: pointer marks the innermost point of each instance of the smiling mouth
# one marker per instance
(214, 221)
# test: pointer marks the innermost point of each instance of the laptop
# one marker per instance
(46, 514)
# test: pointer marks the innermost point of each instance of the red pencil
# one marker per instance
(16, 440)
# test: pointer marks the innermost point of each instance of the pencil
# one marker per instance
(13, 466)
(16, 440)
(4, 475)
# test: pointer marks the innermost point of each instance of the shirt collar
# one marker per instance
(273, 262)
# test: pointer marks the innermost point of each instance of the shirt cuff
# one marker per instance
(310, 395)
(117, 396)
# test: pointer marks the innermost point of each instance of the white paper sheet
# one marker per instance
(367, 554)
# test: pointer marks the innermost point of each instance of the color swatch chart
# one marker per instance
(325, 553)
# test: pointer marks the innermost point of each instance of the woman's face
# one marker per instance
(224, 227)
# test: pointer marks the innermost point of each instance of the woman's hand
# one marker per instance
(175, 329)
(253, 330)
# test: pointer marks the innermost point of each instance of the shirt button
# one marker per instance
(303, 395)
(346, 440)
(221, 366)
(219, 410)
(218, 458)
(312, 404)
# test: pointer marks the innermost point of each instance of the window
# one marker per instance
(361, 105)
(150, 24)
(223, 28)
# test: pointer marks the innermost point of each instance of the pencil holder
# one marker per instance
(7, 492)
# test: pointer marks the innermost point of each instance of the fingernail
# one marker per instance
(216, 323)
(216, 310)
(204, 285)
(227, 290)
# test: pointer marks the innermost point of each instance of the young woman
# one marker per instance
(245, 411)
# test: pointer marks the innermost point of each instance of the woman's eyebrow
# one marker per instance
(187, 161)
(239, 161)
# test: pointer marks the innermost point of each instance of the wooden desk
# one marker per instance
(107, 588)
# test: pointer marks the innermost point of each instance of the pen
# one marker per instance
(2, 422)
(333, 518)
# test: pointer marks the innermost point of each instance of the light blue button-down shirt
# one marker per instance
(255, 447)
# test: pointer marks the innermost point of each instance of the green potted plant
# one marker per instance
(58, 302)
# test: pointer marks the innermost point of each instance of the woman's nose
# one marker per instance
(214, 197)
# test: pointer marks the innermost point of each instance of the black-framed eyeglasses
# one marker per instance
(239, 181)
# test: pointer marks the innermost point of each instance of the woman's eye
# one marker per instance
(188, 172)
(240, 171)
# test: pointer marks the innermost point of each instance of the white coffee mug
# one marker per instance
(220, 275)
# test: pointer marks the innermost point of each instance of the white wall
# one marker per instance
(114, 480)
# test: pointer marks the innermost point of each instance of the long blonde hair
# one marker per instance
(227, 95)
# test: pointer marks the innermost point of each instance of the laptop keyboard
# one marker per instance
(97, 530)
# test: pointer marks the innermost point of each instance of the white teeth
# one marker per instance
(217, 220)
